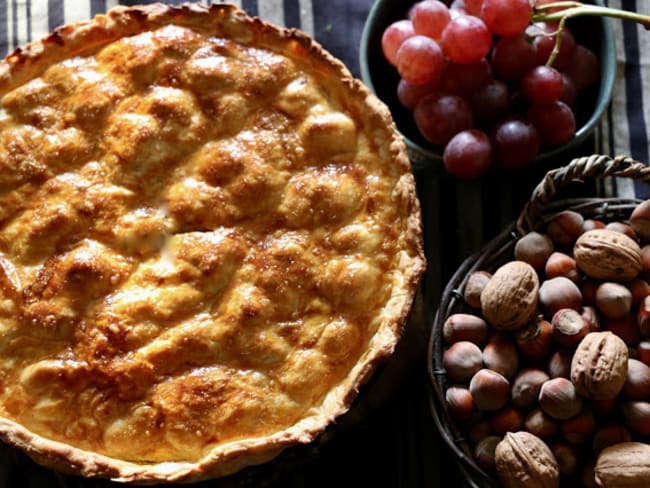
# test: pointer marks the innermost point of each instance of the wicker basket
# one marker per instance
(536, 213)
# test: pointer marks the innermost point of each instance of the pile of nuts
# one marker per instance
(549, 365)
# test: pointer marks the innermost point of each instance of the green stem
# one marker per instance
(560, 4)
(578, 9)
(570, 9)
(558, 43)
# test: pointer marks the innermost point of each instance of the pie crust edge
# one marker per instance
(87, 36)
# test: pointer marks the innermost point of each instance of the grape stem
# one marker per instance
(570, 9)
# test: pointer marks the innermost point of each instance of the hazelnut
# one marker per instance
(567, 458)
(643, 318)
(588, 475)
(568, 327)
(558, 398)
(580, 428)
(558, 293)
(560, 264)
(474, 287)
(613, 300)
(626, 327)
(465, 327)
(636, 414)
(588, 289)
(538, 423)
(643, 352)
(484, 452)
(590, 316)
(608, 435)
(459, 403)
(479, 430)
(604, 407)
(645, 261)
(622, 228)
(490, 390)
(565, 227)
(500, 355)
(523, 460)
(599, 365)
(534, 248)
(535, 340)
(559, 365)
(462, 360)
(526, 386)
(508, 419)
(640, 220)
(637, 382)
(591, 224)
(640, 289)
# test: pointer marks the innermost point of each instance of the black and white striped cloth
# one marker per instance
(625, 128)
(335, 23)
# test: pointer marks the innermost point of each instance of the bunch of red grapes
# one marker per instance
(477, 77)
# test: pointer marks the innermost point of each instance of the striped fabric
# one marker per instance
(626, 127)
(397, 446)
(337, 24)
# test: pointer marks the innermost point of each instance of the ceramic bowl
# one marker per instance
(381, 77)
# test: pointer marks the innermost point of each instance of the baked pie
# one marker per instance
(209, 238)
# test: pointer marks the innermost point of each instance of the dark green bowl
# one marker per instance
(595, 33)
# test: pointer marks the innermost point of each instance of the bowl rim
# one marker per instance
(422, 157)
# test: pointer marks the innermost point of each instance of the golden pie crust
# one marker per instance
(209, 238)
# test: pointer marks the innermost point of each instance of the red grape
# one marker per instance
(409, 94)
(569, 92)
(420, 60)
(441, 117)
(506, 17)
(584, 68)
(430, 17)
(468, 154)
(409, 14)
(473, 7)
(516, 143)
(513, 56)
(478, 67)
(393, 37)
(457, 7)
(555, 122)
(464, 79)
(491, 102)
(544, 45)
(542, 84)
(466, 39)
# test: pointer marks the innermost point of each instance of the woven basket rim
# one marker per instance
(535, 214)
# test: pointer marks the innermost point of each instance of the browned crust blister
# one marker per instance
(85, 38)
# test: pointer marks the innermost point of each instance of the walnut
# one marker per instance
(509, 300)
(599, 365)
(624, 465)
(523, 460)
(609, 255)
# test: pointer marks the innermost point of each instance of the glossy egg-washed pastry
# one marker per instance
(209, 238)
